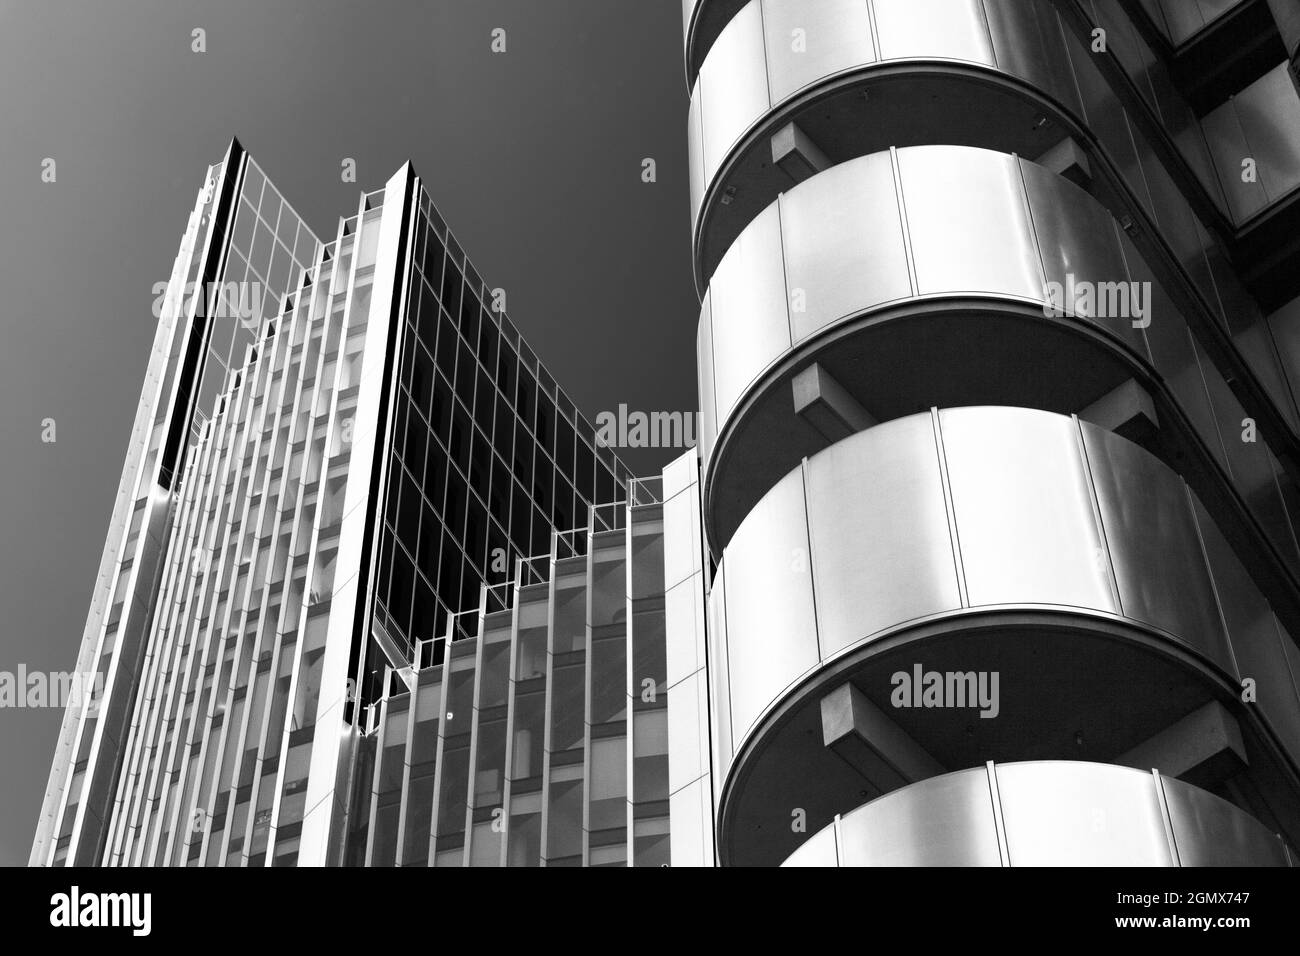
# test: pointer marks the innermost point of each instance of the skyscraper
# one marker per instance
(340, 447)
(998, 375)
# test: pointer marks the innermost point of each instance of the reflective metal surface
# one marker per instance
(973, 508)
(770, 641)
(874, 504)
(864, 235)
(947, 821)
(900, 235)
(1045, 813)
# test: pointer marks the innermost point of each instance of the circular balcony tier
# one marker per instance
(1052, 553)
(860, 76)
(1046, 813)
(924, 276)
(702, 21)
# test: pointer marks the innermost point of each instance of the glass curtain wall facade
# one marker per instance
(533, 731)
(341, 447)
(998, 383)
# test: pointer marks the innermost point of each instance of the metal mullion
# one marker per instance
(242, 525)
(508, 772)
(207, 719)
(298, 490)
(189, 810)
(249, 378)
(161, 645)
(158, 655)
(124, 801)
(162, 671)
(207, 523)
(322, 479)
(145, 710)
(376, 773)
(163, 648)
(406, 768)
(549, 702)
(234, 470)
(586, 703)
(474, 721)
(302, 315)
(321, 290)
(268, 366)
(230, 467)
(629, 687)
(440, 749)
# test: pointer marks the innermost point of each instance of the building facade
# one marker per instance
(988, 554)
(998, 375)
(344, 457)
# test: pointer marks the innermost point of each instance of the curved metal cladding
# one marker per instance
(895, 270)
(861, 75)
(902, 205)
(1046, 813)
(1003, 541)
(790, 87)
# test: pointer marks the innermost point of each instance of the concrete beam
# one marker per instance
(796, 154)
(862, 735)
(1126, 410)
(1203, 748)
(825, 404)
(1068, 159)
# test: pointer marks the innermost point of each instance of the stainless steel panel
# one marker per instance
(748, 303)
(695, 150)
(684, 626)
(691, 825)
(1209, 831)
(770, 641)
(681, 548)
(708, 430)
(1154, 547)
(1266, 663)
(835, 35)
(943, 821)
(1024, 512)
(844, 247)
(1105, 115)
(1284, 326)
(968, 224)
(1059, 813)
(719, 681)
(1054, 813)
(1076, 237)
(1290, 738)
(949, 29)
(732, 85)
(1228, 147)
(819, 850)
(1183, 18)
(882, 553)
(1244, 610)
(1027, 43)
(1269, 113)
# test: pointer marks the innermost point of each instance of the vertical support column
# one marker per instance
(322, 827)
(690, 771)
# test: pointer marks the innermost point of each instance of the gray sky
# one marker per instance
(534, 157)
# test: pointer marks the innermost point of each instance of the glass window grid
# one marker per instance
(497, 483)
